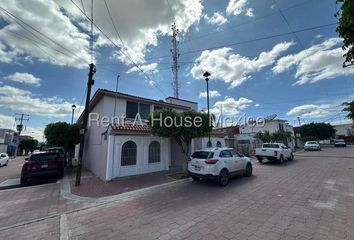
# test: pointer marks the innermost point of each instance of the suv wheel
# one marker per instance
(223, 178)
(195, 178)
(23, 181)
(291, 157)
(260, 159)
(248, 170)
(281, 159)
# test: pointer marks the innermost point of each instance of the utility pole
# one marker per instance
(90, 82)
(175, 56)
(19, 128)
(206, 76)
(298, 118)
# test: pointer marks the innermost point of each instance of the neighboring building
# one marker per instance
(125, 149)
(246, 140)
(344, 129)
(7, 140)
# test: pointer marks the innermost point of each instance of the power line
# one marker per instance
(119, 49)
(39, 32)
(287, 23)
(249, 21)
(250, 40)
(41, 41)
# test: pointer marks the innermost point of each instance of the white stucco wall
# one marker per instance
(271, 127)
(95, 149)
(114, 168)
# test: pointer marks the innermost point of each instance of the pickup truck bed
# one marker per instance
(274, 151)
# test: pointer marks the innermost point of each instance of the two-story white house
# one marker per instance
(124, 149)
(247, 133)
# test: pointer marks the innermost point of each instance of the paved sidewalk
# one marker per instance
(92, 186)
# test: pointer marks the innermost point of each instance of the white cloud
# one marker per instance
(257, 105)
(212, 94)
(46, 17)
(24, 101)
(35, 132)
(7, 121)
(149, 68)
(311, 110)
(231, 106)
(216, 19)
(139, 23)
(319, 62)
(234, 69)
(237, 7)
(250, 12)
(26, 78)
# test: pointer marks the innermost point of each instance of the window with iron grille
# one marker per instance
(128, 157)
(218, 144)
(154, 152)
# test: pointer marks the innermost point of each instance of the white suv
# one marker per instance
(218, 164)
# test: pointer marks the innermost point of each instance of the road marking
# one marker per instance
(64, 233)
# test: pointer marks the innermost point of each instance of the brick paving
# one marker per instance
(309, 198)
(119, 185)
(28, 203)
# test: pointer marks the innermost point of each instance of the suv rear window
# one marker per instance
(43, 157)
(202, 154)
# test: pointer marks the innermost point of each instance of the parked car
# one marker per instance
(312, 145)
(339, 143)
(274, 151)
(4, 159)
(218, 164)
(60, 150)
(43, 166)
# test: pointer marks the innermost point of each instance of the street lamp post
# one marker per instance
(206, 76)
(73, 107)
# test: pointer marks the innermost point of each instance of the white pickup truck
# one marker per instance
(274, 151)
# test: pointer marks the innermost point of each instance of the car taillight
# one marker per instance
(275, 153)
(31, 167)
(211, 161)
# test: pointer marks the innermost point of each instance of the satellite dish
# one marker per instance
(270, 117)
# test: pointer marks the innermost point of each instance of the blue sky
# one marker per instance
(253, 70)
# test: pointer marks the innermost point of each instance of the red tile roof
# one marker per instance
(131, 128)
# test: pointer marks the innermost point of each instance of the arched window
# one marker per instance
(154, 152)
(218, 144)
(128, 157)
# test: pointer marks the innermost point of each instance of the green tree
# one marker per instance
(62, 134)
(264, 137)
(279, 136)
(349, 107)
(28, 145)
(321, 131)
(345, 28)
(180, 130)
